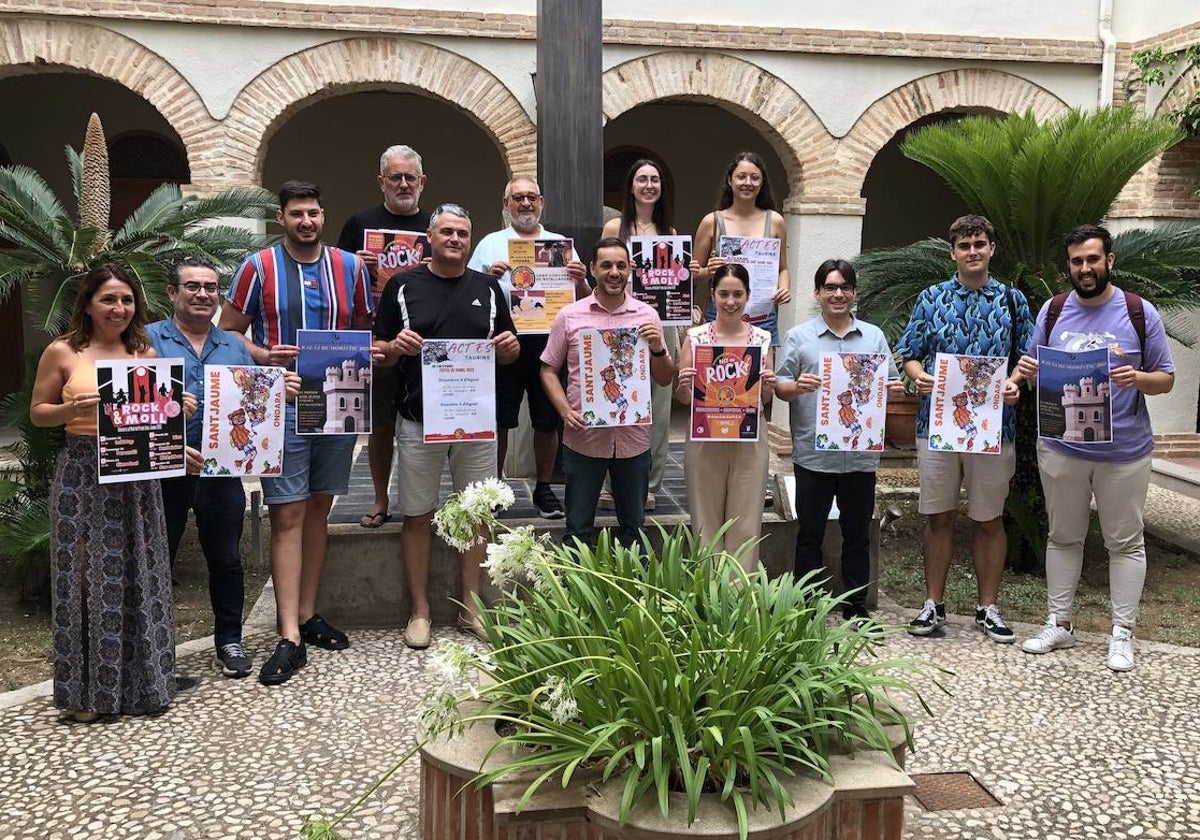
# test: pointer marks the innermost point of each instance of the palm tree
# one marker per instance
(49, 251)
(1035, 182)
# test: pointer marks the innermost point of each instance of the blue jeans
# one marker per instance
(630, 481)
(220, 506)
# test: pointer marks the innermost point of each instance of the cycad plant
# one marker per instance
(1034, 182)
(48, 251)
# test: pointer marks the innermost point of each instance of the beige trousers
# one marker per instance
(725, 481)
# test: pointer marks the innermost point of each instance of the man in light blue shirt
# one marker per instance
(822, 475)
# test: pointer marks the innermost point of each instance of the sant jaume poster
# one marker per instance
(396, 251)
(541, 285)
(1074, 395)
(726, 393)
(458, 380)
(662, 276)
(335, 382)
(760, 256)
(614, 370)
(243, 421)
(140, 423)
(967, 404)
(852, 402)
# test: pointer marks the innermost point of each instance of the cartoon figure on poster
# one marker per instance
(857, 382)
(250, 402)
(616, 374)
(968, 392)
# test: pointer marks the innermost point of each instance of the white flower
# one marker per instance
(452, 663)
(559, 700)
(538, 570)
(514, 554)
(439, 714)
(481, 497)
(457, 526)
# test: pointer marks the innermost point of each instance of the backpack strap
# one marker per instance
(1137, 317)
(1056, 307)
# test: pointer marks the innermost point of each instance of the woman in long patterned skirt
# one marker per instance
(114, 630)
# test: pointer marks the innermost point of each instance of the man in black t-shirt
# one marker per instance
(401, 180)
(443, 299)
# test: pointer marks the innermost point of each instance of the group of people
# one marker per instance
(113, 544)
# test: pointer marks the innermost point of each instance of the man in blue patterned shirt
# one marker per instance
(972, 314)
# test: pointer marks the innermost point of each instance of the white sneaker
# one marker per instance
(1052, 637)
(1120, 649)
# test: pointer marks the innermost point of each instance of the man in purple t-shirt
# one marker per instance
(1095, 315)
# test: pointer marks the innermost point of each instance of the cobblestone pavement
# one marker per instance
(1072, 750)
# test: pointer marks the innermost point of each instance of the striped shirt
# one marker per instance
(281, 295)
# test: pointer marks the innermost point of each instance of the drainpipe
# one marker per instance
(1108, 60)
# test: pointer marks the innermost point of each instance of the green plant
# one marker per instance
(662, 670)
(1156, 62)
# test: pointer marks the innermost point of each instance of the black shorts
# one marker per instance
(524, 377)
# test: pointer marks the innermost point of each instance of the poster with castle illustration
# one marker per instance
(335, 386)
(967, 404)
(139, 421)
(614, 374)
(243, 421)
(852, 402)
(1074, 402)
(458, 381)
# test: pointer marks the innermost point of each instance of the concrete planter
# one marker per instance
(865, 800)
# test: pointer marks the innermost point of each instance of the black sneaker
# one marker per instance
(287, 659)
(233, 660)
(989, 621)
(931, 617)
(547, 504)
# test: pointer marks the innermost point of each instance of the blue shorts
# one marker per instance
(768, 322)
(312, 465)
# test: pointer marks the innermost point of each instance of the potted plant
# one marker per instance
(648, 683)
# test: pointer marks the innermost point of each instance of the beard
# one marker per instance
(525, 222)
(1101, 275)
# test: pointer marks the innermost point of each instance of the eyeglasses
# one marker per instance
(192, 287)
(452, 209)
(752, 177)
(406, 177)
(834, 288)
(647, 179)
(522, 198)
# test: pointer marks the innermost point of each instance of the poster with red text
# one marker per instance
(243, 421)
(967, 404)
(458, 380)
(852, 402)
(614, 377)
(726, 393)
(140, 428)
(396, 250)
(760, 256)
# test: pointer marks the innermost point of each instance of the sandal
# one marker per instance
(320, 633)
(287, 659)
(375, 520)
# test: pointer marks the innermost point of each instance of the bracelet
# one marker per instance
(659, 354)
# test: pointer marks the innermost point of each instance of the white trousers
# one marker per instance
(1120, 490)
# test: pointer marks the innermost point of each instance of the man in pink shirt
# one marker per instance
(590, 451)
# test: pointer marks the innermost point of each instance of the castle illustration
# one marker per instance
(1086, 408)
(347, 398)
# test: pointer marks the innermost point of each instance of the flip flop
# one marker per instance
(375, 520)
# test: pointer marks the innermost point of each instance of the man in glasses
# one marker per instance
(523, 205)
(442, 299)
(974, 314)
(401, 180)
(219, 503)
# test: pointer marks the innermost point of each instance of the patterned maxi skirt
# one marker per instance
(113, 615)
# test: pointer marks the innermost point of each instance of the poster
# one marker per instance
(541, 285)
(662, 276)
(140, 426)
(852, 402)
(614, 373)
(967, 404)
(726, 393)
(761, 258)
(335, 387)
(243, 420)
(397, 250)
(1074, 402)
(458, 384)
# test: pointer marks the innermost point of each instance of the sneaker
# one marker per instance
(861, 620)
(989, 621)
(651, 501)
(1120, 649)
(233, 660)
(547, 504)
(931, 617)
(287, 659)
(606, 501)
(1052, 637)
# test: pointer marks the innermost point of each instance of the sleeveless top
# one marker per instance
(721, 225)
(81, 381)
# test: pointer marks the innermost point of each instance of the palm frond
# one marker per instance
(890, 279)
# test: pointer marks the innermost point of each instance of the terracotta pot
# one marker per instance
(900, 429)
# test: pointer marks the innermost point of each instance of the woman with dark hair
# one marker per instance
(113, 622)
(725, 479)
(745, 207)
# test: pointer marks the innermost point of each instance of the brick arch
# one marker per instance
(952, 90)
(763, 100)
(358, 64)
(1183, 89)
(28, 45)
